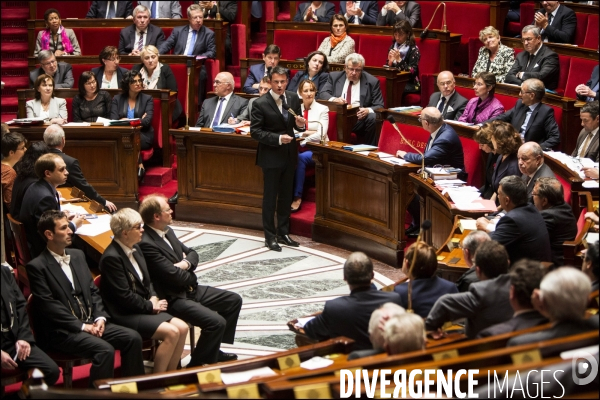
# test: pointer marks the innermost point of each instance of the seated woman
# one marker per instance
(312, 111)
(51, 109)
(132, 103)
(315, 11)
(483, 138)
(26, 174)
(129, 296)
(494, 57)
(316, 68)
(426, 286)
(109, 75)
(56, 38)
(338, 45)
(404, 55)
(506, 141)
(157, 75)
(91, 102)
(485, 106)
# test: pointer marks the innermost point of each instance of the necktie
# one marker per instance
(349, 94)
(65, 259)
(550, 16)
(153, 10)
(428, 144)
(586, 144)
(57, 199)
(283, 105)
(217, 118)
(192, 43)
(529, 58)
(595, 89)
(111, 10)
(442, 104)
(140, 44)
(525, 122)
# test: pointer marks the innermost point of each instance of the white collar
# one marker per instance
(160, 233)
(128, 251)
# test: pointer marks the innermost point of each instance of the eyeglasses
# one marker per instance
(527, 40)
(136, 81)
(49, 63)
(527, 91)
(90, 83)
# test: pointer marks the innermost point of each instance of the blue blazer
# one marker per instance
(425, 293)
(320, 80)
(204, 46)
(370, 8)
(446, 149)
(255, 74)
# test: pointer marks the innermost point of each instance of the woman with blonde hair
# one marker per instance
(494, 57)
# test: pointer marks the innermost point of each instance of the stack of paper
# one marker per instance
(230, 378)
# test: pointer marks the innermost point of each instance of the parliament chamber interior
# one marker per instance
(291, 191)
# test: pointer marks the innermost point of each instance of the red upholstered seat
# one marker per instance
(591, 35)
(94, 40)
(507, 101)
(474, 46)
(67, 9)
(390, 141)
(69, 109)
(428, 65)
(580, 220)
(473, 161)
(374, 49)
(284, 11)
(564, 62)
(156, 124)
(527, 14)
(322, 35)
(332, 130)
(304, 42)
(580, 71)
(566, 188)
(580, 32)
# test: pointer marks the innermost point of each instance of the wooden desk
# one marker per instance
(573, 250)
(108, 157)
(451, 262)
(361, 203)
(558, 48)
(575, 182)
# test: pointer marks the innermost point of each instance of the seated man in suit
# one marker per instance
(263, 88)
(450, 103)
(61, 72)
(133, 38)
(218, 109)
(486, 303)
(396, 11)
(228, 12)
(562, 298)
(110, 9)
(314, 11)
(353, 86)
(532, 166)
(360, 12)
(54, 137)
(162, 9)
(171, 265)
(557, 23)
(522, 229)
(589, 91)
(69, 312)
(19, 349)
(193, 39)
(537, 61)
(548, 198)
(42, 196)
(360, 304)
(469, 246)
(525, 277)
(587, 141)
(256, 72)
(532, 119)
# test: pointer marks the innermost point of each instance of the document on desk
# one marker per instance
(77, 124)
(229, 378)
(72, 209)
(590, 184)
(316, 363)
(395, 160)
(95, 227)
(303, 321)
(467, 224)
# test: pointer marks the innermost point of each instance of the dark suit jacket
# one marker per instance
(323, 14)
(13, 297)
(562, 29)
(99, 71)
(560, 329)
(412, 13)
(485, 304)
(267, 124)
(591, 83)
(592, 150)
(76, 178)
(235, 106)
(349, 316)
(456, 101)
(370, 8)
(464, 282)
(541, 127)
(204, 46)
(246, 114)
(445, 149)
(356, 354)
(544, 66)
(143, 105)
(52, 294)
(320, 80)
(562, 226)
(63, 77)
(227, 9)
(169, 281)
(154, 36)
(98, 9)
(172, 8)
(255, 74)
(523, 233)
(508, 167)
(525, 320)
(543, 172)
(425, 293)
(370, 91)
(19, 188)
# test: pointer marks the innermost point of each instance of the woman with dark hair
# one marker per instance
(404, 55)
(25, 174)
(506, 141)
(91, 102)
(484, 106)
(56, 38)
(45, 105)
(109, 75)
(483, 138)
(316, 69)
(591, 264)
(338, 45)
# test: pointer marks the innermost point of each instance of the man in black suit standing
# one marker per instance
(349, 315)
(589, 91)
(61, 72)
(68, 309)
(110, 9)
(218, 109)
(42, 196)
(396, 11)
(274, 117)
(54, 137)
(587, 141)
(557, 23)
(18, 345)
(450, 103)
(171, 265)
(532, 166)
(133, 38)
(532, 119)
(360, 12)
(537, 61)
(522, 229)
(355, 87)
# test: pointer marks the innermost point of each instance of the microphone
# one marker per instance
(392, 121)
(322, 142)
(287, 108)
(218, 14)
(426, 225)
(187, 103)
(423, 34)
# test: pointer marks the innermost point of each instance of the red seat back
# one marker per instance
(303, 43)
(474, 46)
(332, 129)
(427, 9)
(527, 14)
(67, 9)
(238, 43)
(566, 188)
(466, 18)
(390, 141)
(581, 221)
(591, 34)
(580, 71)
(564, 62)
(507, 101)
(473, 161)
(157, 124)
(69, 101)
(374, 49)
(580, 31)
(430, 55)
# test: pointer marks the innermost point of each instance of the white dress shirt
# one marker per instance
(132, 260)
(223, 107)
(189, 39)
(358, 19)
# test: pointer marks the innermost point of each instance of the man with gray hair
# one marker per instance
(562, 298)
(404, 333)
(469, 246)
(133, 38)
(218, 109)
(355, 87)
(54, 137)
(531, 164)
(537, 61)
(61, 72)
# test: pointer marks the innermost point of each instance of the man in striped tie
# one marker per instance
(142, 33)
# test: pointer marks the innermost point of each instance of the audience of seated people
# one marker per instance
(45, 105)
(587, 141)
(469, 247)
(218, 109)
(484, 105)
(557, 22)
(448, 101)
(315, 11)
(338, 45)
(91, 102)
(133, 38)
(316, 69)
(271, 56)
(56, 38)
(483, 137)
(506, 142)
(14, 146)
(494, 57)
(360, 12)
(396, 11)
(60, 71)
(404, 55)
(109, 74)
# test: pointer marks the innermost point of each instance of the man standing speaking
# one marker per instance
(274, 116)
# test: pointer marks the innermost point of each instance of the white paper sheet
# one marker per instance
(303, 321)
(229, 378)
(77, 124)
(316, 363)
(395, 160)
(591, 184)
(468, 224)
(73, 209)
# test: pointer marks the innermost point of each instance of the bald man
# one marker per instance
(450, 103)
(531, 164)
(225, 104)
